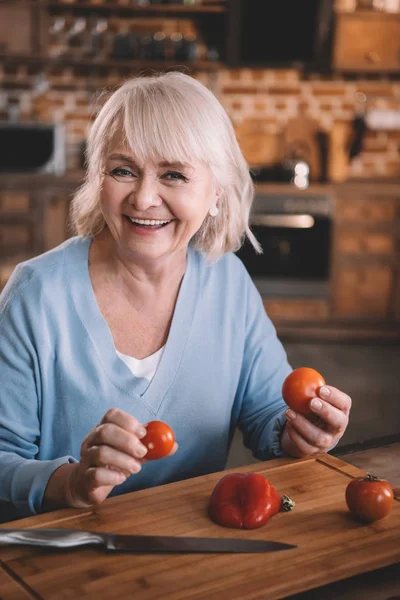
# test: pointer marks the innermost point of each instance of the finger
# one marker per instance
(304, 448)
(311, 434)
(125, 421)
(100, 476)
(338, 399)
(171, 452)
(108, 457)
(112, 435)
(336, 420)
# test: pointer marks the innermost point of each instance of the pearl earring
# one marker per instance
(214, 210)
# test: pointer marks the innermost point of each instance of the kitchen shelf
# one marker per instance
(212, 7)
(94, 63)
(171, 9)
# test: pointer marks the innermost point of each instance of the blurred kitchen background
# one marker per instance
(313, 90)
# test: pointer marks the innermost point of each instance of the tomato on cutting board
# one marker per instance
(159, 440)
(369, 498)
(301, 386)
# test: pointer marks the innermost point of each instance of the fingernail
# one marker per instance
(316, 404)
(290, 414)
(141, 432)
(141, 451)
(324, 392)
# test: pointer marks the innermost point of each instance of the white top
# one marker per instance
(145, 367)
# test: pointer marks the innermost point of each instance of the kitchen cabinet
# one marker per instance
(367, 42)
(16, 29)
(295, 309)
(364, 281)
(365, 264)
(33, 217)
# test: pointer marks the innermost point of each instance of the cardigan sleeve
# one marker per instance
(23, 478)
(261, 412)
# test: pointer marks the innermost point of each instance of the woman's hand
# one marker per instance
(303, 437)
(110, 453)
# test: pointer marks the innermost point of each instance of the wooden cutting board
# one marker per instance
(260, 145)
(331, 545)
(300, 139)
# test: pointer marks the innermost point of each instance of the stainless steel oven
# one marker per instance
(295, 233)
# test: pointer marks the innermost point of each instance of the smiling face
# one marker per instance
(153, 209)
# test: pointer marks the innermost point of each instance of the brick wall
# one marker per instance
(274, 97)
(267, 99)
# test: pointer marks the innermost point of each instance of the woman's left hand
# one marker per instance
(305, 437)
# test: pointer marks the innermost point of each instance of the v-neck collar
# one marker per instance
(77, 267)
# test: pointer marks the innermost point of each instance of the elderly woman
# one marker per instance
(145, 314)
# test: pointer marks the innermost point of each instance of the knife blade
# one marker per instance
(74, 538)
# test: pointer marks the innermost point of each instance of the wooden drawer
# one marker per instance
(359, 244)
(296, 310)
(363, 291)
(14, 202)
(55, 226)
(367, 42)
(366, 211)
(16, 29)
(15, 237)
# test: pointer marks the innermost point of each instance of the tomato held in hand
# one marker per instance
(369, 498)
(300, 387)
(159, 440)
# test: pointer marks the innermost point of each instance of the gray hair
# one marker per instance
(174, 117)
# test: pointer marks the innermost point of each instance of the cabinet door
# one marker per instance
(15, 239)
(55, 225)
(366, 211)
(397, 297)
(363, 291)
(14, 203)
(296, 310)
(367, 42)
(16, 35)
(359, 244)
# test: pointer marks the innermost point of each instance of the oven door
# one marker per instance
(296, 254)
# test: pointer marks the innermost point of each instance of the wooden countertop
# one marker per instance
(33, 181)
(331, 545)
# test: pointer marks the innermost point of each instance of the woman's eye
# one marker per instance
(175, 176)
(121, 172)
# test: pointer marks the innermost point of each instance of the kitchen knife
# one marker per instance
(73, 538)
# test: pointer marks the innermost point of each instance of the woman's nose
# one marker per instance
(145, 194)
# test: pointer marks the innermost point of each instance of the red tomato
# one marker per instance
(300, 387)
(369, 498)
(159, 440)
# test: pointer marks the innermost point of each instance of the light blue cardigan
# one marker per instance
(222, 367)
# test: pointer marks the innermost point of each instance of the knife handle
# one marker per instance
(52, 538)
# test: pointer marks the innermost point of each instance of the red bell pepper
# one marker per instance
(243, 501)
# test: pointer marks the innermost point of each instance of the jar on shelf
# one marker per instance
(159, 46)
(124, 45)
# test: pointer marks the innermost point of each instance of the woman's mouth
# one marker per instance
(148, 223)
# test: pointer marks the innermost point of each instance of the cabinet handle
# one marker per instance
(291, 221)
(372, 58)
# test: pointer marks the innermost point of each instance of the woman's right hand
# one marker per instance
(110, 453)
